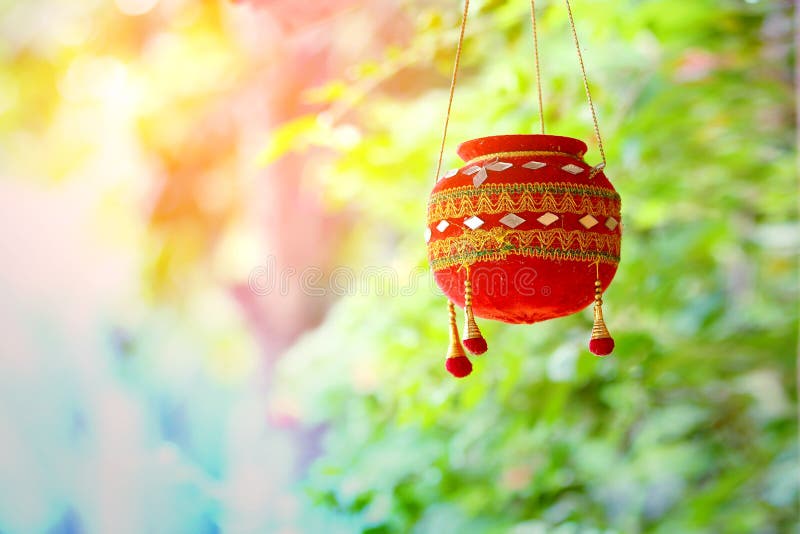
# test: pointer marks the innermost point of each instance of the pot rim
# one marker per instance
(481, 146)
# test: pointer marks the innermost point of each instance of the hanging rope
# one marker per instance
(586, 86)
(452, 88)
(536, 56)
(454, 79)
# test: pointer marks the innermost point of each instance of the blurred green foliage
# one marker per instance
(690, 426)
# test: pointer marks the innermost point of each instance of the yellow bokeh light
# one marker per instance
(135, 7)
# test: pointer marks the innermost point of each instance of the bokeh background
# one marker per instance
(171, 167)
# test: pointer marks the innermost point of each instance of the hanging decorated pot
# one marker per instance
(523, 232)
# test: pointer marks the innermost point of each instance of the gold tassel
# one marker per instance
(473, 339)
(601, 343)
(599, 329)
(457, 362)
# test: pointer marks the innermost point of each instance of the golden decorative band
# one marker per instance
(470, 258)
(525, 154)
(465, 201)
(497, 243)
(500, 237)
(556, 188)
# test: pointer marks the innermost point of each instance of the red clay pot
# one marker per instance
(544, 223)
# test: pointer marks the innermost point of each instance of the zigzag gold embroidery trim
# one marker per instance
(524, 154)
(469, 258)
(498, 238)
(499, 242)
(515, 198)
(556, 188)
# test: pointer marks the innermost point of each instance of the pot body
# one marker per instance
(530, 222)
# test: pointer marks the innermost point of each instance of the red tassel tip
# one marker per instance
(459, 366)
(476, 345)
(601, 346)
